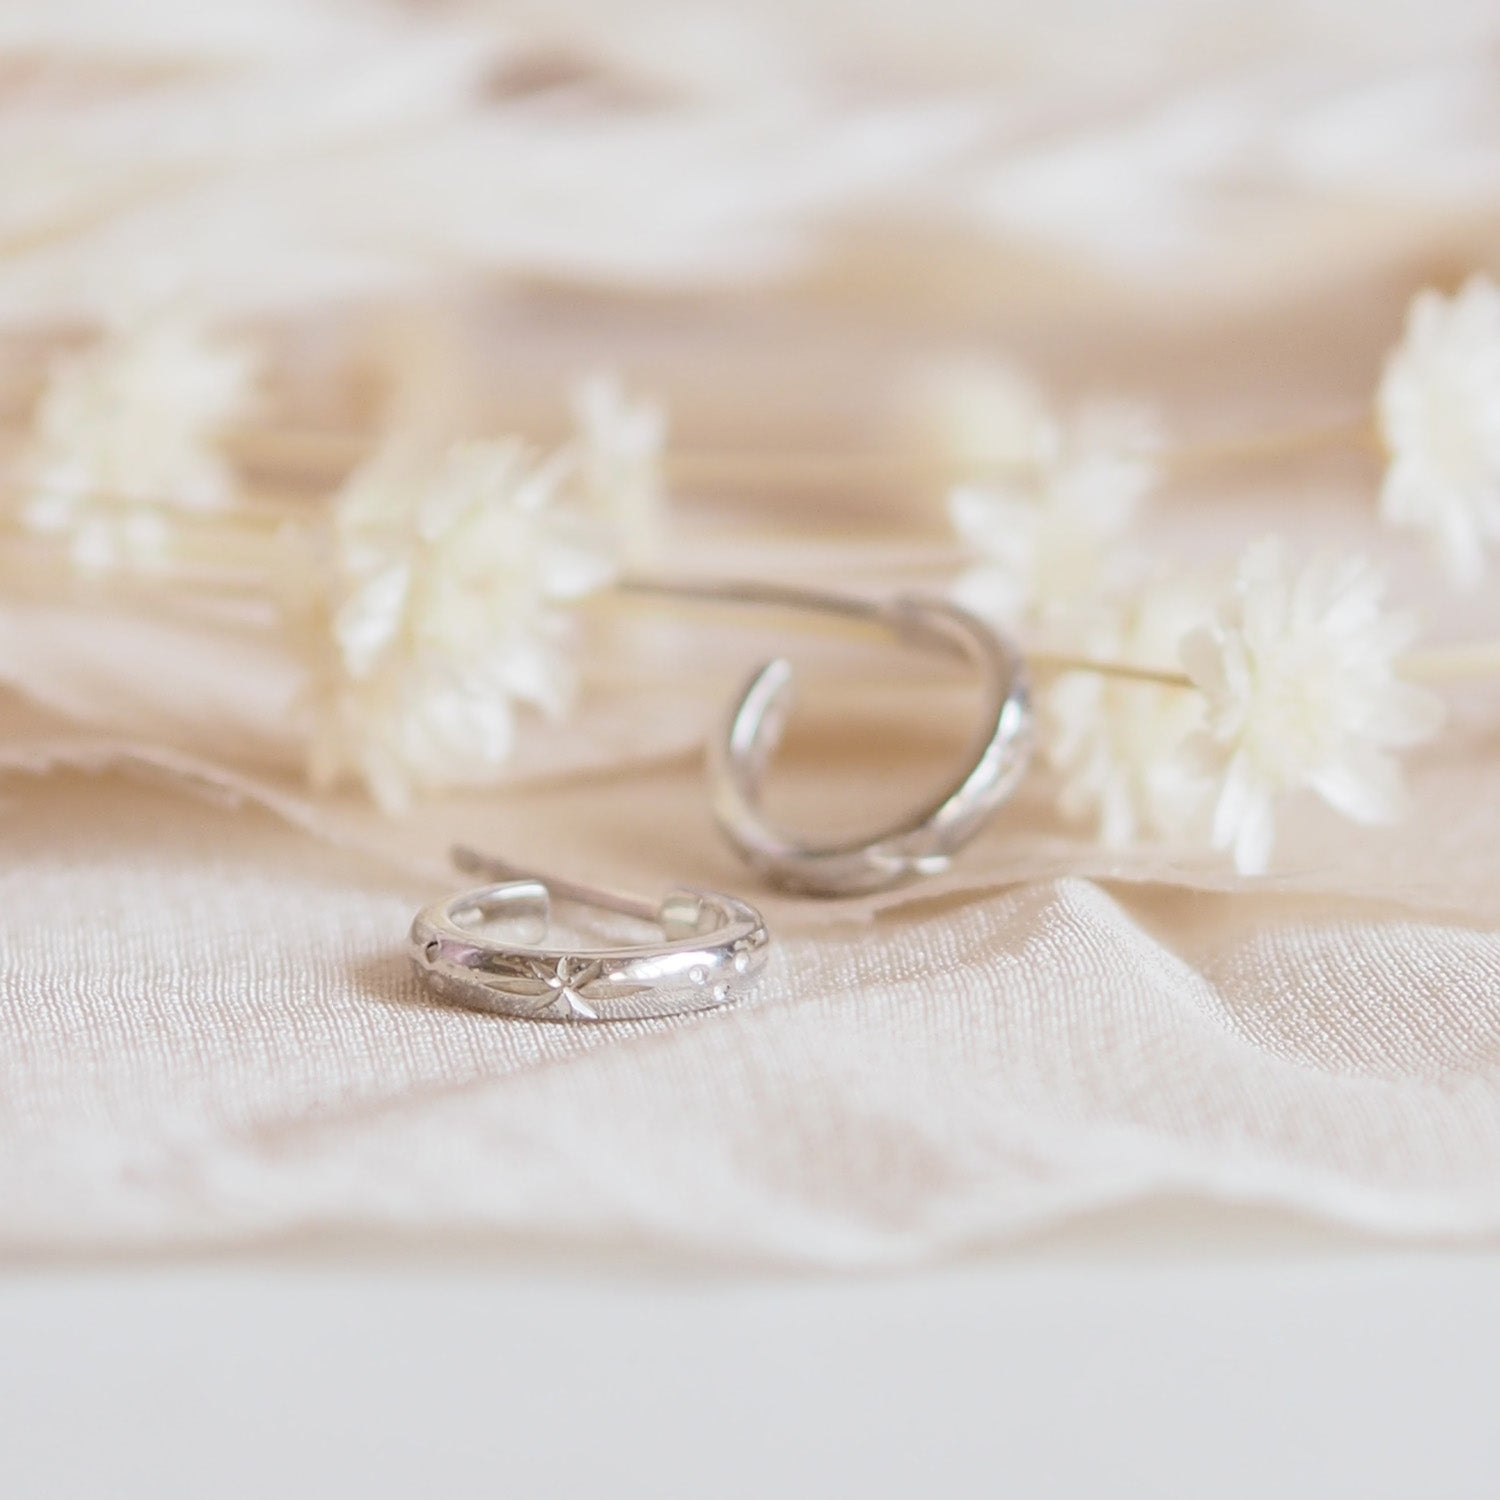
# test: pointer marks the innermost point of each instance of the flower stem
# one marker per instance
(833, 469)
(1353, 431)
(1472, 660)
(1468, 661)
(815, 469)
(1055, 665)
(332, 452)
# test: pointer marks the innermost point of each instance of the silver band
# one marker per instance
(922, 843)
(712, 946)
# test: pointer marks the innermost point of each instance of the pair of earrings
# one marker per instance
(712, 946)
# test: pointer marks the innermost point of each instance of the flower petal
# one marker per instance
(1365, 786)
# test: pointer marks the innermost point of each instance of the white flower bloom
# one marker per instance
(1051, 496)
(1439, 414)
(1298, 669)
(1114, 742)
(127, 431)
(619, 464)
(437, 609)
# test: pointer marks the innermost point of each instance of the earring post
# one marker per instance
(488, 867)
(871, 617)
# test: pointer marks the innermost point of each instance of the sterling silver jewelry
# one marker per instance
(712, 946)
(924, 842)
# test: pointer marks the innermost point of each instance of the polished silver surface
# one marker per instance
(712, 946)
(920, 844)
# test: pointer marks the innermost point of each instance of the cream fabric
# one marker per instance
(207, 1030)
(208, 1035)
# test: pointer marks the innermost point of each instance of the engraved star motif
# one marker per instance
(564, 985)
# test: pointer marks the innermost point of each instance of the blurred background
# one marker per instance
(757, 209)
(774, 219)
(772, 222)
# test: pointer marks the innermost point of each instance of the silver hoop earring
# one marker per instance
(712, 947)
(922, 844)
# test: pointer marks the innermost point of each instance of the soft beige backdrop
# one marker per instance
(208, 1036)
(207, 1030)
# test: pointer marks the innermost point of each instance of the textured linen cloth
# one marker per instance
(209, 1035)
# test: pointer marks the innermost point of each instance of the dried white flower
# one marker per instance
(619, 464)
(1055, 496)
(1115, 742)
(438, 608)
(1439, 413)
(127, 431)
(1298, 669)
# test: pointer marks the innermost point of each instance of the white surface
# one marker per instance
(1322, 1373)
